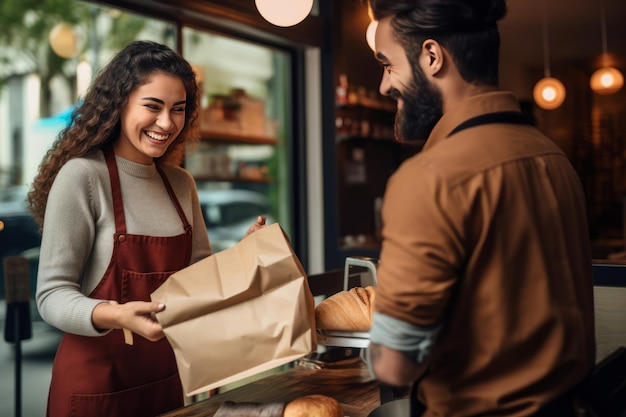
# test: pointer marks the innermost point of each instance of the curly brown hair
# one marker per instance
(95, 123)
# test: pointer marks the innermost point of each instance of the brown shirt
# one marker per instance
(485, 231)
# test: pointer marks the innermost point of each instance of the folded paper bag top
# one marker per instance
(239, 312)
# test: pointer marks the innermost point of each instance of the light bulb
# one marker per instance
(284, 12)
(606, 80)
(370, 34)
(549, 93)
(66, 40)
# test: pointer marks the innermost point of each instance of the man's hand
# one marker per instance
(393, 367)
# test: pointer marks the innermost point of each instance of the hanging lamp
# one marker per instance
(284, 12)
(66, 41)
(370, 34)
(606, 80)
(549, 92)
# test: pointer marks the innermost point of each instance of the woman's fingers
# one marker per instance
(257, 225)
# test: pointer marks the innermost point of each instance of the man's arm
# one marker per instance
(398, 351)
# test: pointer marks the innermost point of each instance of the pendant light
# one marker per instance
(549, 93)
(284, 12)
(606, 80)
(370, 34)
(66, 41)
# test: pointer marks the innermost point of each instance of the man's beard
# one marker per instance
(422, 109)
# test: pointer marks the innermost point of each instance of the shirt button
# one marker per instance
(122, 238)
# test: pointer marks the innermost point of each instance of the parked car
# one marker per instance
(229, 213)
(20, 233)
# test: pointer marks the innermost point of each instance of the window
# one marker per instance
(39, 89)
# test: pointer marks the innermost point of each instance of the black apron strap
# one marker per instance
(417, 408)
(511, 117)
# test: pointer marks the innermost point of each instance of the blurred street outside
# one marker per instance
(37, 356)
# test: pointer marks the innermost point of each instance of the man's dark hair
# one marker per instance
(467, 29)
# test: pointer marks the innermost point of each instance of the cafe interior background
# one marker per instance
(292, 122)
(304, 134)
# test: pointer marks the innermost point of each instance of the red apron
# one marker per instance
(103, 376)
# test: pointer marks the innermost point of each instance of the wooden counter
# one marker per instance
(350, 383)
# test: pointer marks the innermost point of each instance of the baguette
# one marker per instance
(347, 310)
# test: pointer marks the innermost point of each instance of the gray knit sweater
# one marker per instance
(77, 241)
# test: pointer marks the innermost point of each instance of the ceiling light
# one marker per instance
(370, 34)
(606, 80)
(549, 93)
(284, 12)
(66, 40)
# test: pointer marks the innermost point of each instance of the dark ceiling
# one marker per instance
(574, 32)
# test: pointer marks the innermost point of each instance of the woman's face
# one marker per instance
(152, 118)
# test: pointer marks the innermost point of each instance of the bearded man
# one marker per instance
(485, 291)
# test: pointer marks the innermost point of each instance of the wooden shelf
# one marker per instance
(213, 178)
(342, 137)
(225, 137)
(382, 106)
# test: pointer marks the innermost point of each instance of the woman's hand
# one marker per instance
(136, 316)
(257, 225)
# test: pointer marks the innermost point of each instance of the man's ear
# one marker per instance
(433, 51)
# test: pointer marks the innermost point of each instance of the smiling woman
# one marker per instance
(30, 122)
(119, 216)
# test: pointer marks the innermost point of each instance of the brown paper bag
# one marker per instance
(238, 312)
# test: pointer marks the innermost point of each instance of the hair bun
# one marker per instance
(471, 15)
(441, 16)
(493, 11)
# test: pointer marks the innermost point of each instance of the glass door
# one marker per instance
(241, 164)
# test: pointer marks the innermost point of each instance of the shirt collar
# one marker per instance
(493, 102)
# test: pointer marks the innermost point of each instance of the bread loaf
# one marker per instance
(347, 310)
(313, 406)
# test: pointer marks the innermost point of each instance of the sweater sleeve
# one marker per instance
(67, 240)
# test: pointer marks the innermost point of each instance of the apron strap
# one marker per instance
(511, 117)
(116, 191)
(170, 191)
(417, 408)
